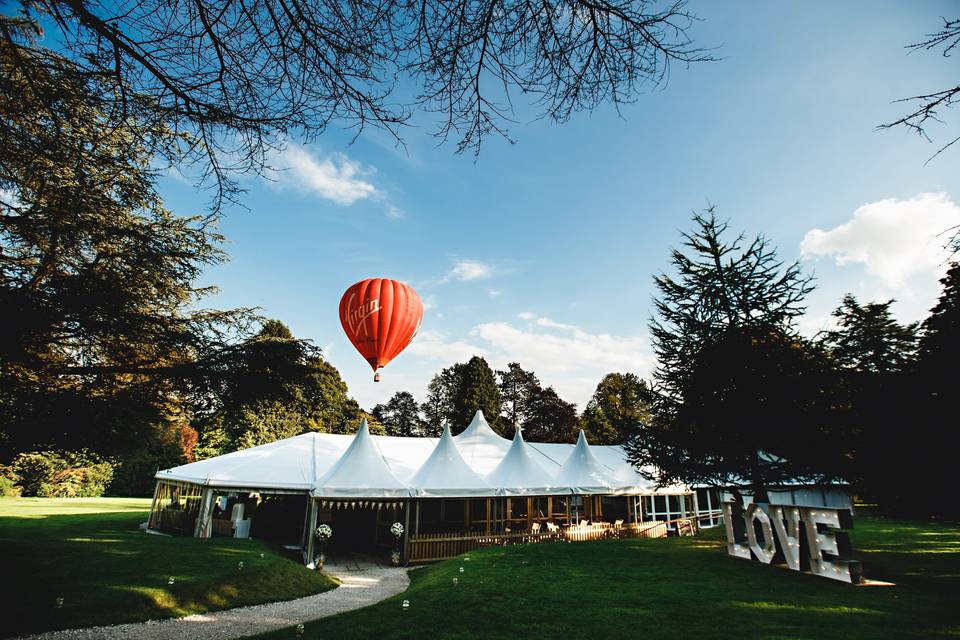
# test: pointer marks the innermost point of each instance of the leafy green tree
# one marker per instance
(550, 418)
(268, 387)
(728, 353)
(400, 416)
(439, 406)
(519, 390)
(620, 402)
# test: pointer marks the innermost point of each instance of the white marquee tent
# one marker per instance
(478, 462)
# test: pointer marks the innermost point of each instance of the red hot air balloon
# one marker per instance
(380, 318)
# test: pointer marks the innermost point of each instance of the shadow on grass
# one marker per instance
(107, 571)
(679, 587)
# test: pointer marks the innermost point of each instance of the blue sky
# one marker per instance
(544, 251)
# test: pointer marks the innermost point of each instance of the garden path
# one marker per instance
(362, 583)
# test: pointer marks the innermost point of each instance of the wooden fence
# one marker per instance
(432, 547)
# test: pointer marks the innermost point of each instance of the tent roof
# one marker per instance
(284, 464)
(481, 447)
(364, 465)
(446, 473)
(583, 473)
(360, 471)
(518, 473)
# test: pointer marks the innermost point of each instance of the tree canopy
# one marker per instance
(401, 416)
(240, 77)
(620, 402)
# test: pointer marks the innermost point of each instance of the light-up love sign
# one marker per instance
(804, 538)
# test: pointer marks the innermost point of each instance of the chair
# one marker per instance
(552, 528)
(584, 523)
(618, 524)
(535, 527)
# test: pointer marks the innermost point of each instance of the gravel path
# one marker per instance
(361, 584)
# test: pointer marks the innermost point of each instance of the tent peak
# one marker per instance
(479, 427)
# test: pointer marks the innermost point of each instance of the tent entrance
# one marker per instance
(360, 526)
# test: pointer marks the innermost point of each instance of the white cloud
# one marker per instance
(493, 293)
(466, 270)
(526, 315)
(572, 361)
(574, 351)
(894, 240)
(550, 324)
(333, 177)
(436, 346)
(887, 249)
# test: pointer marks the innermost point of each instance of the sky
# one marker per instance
(543, 252)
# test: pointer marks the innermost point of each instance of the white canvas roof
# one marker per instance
(583, 473)
(361, 472)
(446, 474)
(520, 474)
(284, 464)
(369, 466)
(481, 447)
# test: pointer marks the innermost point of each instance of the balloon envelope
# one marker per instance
(380, 317)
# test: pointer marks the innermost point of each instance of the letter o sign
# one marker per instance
(769, 549)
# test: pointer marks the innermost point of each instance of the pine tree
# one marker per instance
(736, 387)
(476, 389)
(868, 339)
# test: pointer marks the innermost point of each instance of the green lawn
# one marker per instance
(90, 553)
(674, 588)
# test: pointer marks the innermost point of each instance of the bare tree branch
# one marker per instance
(235, 78)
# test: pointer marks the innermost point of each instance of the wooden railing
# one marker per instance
(432, 547)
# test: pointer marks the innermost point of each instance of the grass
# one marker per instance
(674, 588)
(91, 553)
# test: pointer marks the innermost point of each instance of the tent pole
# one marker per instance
(406, 531)
(202, 529)
(311, 526)
(153, 505)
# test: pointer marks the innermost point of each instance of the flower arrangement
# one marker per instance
(323, 533)
(396, 529)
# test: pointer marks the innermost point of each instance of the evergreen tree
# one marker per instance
(724, 337)
(940, 342)
(476, 389)
(868, 339)
(103, 322)
(620, 402)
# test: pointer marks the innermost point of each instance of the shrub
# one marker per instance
(8, 488)
(62, 474)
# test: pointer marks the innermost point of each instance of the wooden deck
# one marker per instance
(440, 546)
